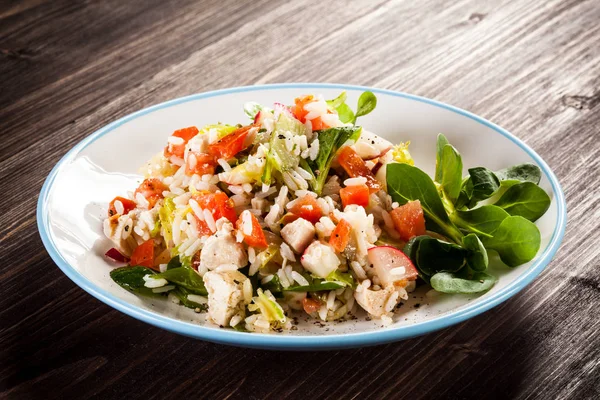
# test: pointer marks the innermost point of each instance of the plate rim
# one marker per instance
(299, 342)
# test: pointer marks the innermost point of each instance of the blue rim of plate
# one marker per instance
(283, 341)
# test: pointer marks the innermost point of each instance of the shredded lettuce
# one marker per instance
(221, 129)
(165, 215)
(279, 158)
(265, 302)
(156, 229)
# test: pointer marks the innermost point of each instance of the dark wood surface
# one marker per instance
(69, 67)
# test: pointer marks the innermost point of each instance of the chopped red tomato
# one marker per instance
(355, 166)
(256, 238)
(409, 220)
(202, 227)
(144, 255)
(310, 305)
(231, 144)
(218, 204)
(300, 113)
(317, 124)
(340, 236)
(152, 190)
(128, 205)
(357, 194)
(298, 109)
(307, 208)
(200, 163)
(178, 150)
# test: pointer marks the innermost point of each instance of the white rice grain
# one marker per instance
(267, 279)
(299, 279)
(152, 283)
(251, 255)
(247, 187)
(176, 230)
(119, 207)
(330, 299)
(192, 161)
(247, 223)
(359, 180)
(235, 189)
(193, 249)
(273, 215)
(286, 252)
(281, 199)
(265, 193)
(236, 319)
(162, 267)
(163, 289)
(358, 270)
(141, 201)
(392, 301)
(240, 200)
(224, 164)
(197, 298)
(210, 220)
(247, 291)
(175, 140)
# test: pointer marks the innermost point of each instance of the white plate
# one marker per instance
(74, 200)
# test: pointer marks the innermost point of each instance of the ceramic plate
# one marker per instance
(74, 200)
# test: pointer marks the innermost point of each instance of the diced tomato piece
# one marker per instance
(152, 190)
(144, 255)
(310, 305)
(128, 205)
(300, 113)
(179, 149)
(318, 124)
(409, 220)
(355, 166)
(356, 194)
(200, 163)
(307, 208)
(231, 144)
(257, 236)
(202, 227)
(298, 109)
(340, 236)
(218, 204)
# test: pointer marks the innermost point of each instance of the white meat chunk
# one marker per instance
(298, 234)
(119, 229)
(320, 259)
(222, 248)
(377, 302)
(370, 146)
(225, 295)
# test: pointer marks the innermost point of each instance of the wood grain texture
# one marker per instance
(69, 67)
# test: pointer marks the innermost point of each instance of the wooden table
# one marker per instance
(67, 68)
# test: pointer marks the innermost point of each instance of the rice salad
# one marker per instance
(288, 214)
